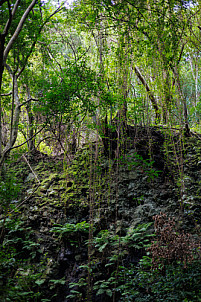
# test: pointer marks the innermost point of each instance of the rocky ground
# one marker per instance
(92, 198)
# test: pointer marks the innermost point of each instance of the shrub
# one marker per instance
(171, 246)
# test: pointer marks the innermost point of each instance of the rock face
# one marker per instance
(95, 198)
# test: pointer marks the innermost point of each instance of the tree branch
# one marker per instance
(26, 160)
(6, 94)
(8, 148)
(31, 99)
(27, 139)
(18, 29)
(36, 39)
(11, 15)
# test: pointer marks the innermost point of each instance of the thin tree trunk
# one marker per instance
(2, 43)
(18, 29)
(16, 109)
(195, 77)
(185, 111)
(4, 51)
(30, 119)
(150, 94)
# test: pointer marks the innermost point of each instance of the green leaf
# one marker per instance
(100, 291)
(109, 292)
(40, 281)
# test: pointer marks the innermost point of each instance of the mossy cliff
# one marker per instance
(78, 229)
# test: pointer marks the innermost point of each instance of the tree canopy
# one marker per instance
(94, 61)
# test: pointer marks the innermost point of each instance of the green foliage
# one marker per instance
(142, 284)
(132, 282)
(105, 239)
(54, 283)
(70, 228)
(136, 160)
(135, 238)
(75, 234)
(139, 237)
(109, 249)
(9, 190)
(82, 70)
(81, 284)
(71, 95)
(176, 281)
(18, 271)
(103, 287)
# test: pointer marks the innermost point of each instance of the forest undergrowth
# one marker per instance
(102, 227)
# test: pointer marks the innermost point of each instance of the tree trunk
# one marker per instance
(30, 119)
(2, 43)
(16, 109)
(4, 51)
(150, 94)
(185, 112)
